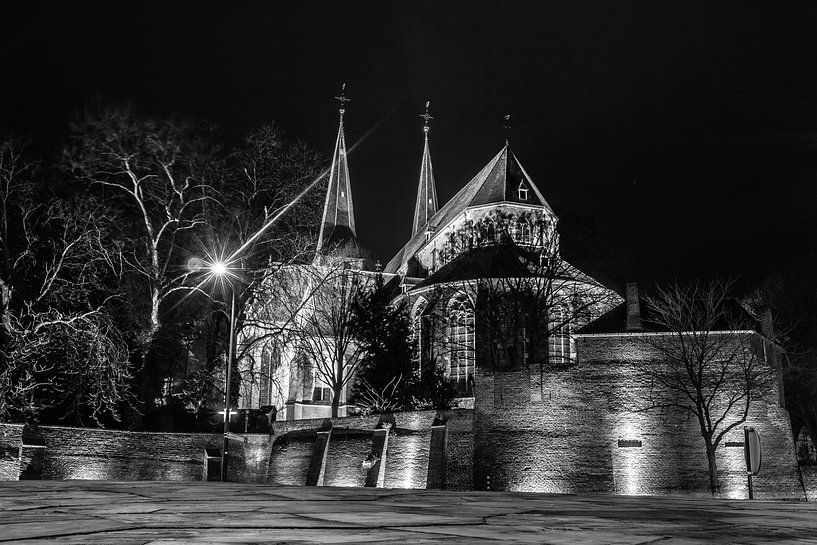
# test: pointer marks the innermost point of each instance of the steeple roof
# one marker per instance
(426, 205)
(502, 180)
(338, 225)
(508, 182)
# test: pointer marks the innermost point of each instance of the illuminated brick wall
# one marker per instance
(574, 430)
(10, 437)
(407, 457)
(407, 454)
(567, 430)
(97, 454)
(810, 481)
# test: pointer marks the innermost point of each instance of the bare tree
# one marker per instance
(707, 360)
(314, 304)
(61, 347)
(327, 333)
(158, 172)
(373, 400)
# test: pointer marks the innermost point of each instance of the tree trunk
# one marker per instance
(335, 400)
(714, 485)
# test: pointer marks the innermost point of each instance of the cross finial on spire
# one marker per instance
(507, 126)
(426, 118)
(342, 100)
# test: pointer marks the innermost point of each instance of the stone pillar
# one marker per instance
(380, 445)
(317, 465)
(32, 454)
(436, 455)
(212, 464)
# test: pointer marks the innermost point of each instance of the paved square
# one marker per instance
(97, 512)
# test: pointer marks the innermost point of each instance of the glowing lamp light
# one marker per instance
(219, 268)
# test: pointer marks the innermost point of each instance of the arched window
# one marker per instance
(321, 391)
(417, 333)
(521, 232)
(461, 344)
(487, 231)
(270, 361)
(264, 383)
(559, 336)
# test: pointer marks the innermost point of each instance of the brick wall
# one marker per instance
(576, 431)
(810, 481)
(290, 459)
(350, 443)
(96, 454)
(11, 436)
(573, 433)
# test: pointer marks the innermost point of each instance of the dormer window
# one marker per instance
(523, 191)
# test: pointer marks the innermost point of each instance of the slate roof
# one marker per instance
(615, 320)
(497, 182)
(338, 223)
(497, 261)
(426, 205)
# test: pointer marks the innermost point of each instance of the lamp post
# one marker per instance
(220, 269)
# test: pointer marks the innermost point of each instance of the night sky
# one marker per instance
(671, 138)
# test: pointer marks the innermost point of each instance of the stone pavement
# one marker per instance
(181, 512)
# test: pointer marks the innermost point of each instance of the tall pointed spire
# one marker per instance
(338, 225)
(426, 191)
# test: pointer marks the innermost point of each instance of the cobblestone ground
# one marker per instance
(175, 512)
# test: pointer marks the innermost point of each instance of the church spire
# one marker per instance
(338, 225)
(426, 192)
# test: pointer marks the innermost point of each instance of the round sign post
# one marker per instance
(754, 456)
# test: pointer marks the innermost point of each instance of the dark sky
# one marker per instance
(671, 138)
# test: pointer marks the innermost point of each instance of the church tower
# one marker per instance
(338, 224)
(426, 205)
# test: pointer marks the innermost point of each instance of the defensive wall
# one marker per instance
(409, 452)
(570, 429)
(584, 428)
(56, 452)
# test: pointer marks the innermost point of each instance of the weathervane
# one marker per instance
(507, 127)
(426, 118)
(342, 100)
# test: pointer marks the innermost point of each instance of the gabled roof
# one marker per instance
(497, 182)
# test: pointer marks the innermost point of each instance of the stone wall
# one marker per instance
(574, 433)
(97, 454)
(11, 436)
(351, 441)
(576, 429)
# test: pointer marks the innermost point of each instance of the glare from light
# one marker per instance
(219, 268)
(281, 211)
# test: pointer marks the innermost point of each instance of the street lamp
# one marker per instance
(219, 268)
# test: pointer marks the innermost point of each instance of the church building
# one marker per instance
(550, 367)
